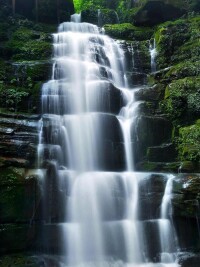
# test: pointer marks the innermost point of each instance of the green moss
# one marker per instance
(183, 69)
(178, 41)
(189, 143)
(149, 166)
(182, 99)
(127, 31)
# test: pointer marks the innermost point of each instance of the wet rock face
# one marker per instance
(19, 200)
(151, 131)
(19, 139)
(189, 260)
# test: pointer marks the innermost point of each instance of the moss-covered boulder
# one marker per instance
(178, 42)
(137, 56)
(189, 143)
(20, 260)
(163, 153)
(182, 99)
(14, 189)
(182, 70)
(156, 12)
(127, 31)
(151, 131)
(154, 93)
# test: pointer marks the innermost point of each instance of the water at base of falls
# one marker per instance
(94, 215)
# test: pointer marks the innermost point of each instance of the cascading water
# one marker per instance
(153, 53)
(88, 113)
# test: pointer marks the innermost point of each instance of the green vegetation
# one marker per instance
(95, 4)
(28, 47)
(27, 44)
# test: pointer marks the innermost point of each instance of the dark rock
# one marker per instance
(36, 70)
(167, 167)
(15, 162)
(20, 125)
(155, 12)
(14, 190)
(136, 78)
(126, 31)
(15, 238)
(150, 131)
(189, 260)
(164, 153)
(154, 93)
(151, 192)
(137, 56)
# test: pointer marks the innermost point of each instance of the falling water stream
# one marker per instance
(88, 114)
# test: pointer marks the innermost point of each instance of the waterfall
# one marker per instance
(153, 54)
(167, 233)
(91, 193)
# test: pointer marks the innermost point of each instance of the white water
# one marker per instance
(167, 233)
(153, 53)
(98, 209)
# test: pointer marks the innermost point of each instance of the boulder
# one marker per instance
(150, 131)
(154, 94)
(156, 12)
(163, 153)
(189, 259)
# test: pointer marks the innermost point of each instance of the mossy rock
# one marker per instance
(189, 143)
(26, 44)
(11, 176)
(137, 56)
(182, 70)
(185, 203)
(107, 16)
(14, 189)
(178, 41)
(33, 70)
(167, 167)
(164, 153)
(182, 99)
(19, 260)
(127, 31)
(190, 50)
(156, 12)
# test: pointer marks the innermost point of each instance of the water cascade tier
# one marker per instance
(97, 211)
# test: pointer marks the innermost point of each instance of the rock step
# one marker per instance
(163, 153)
